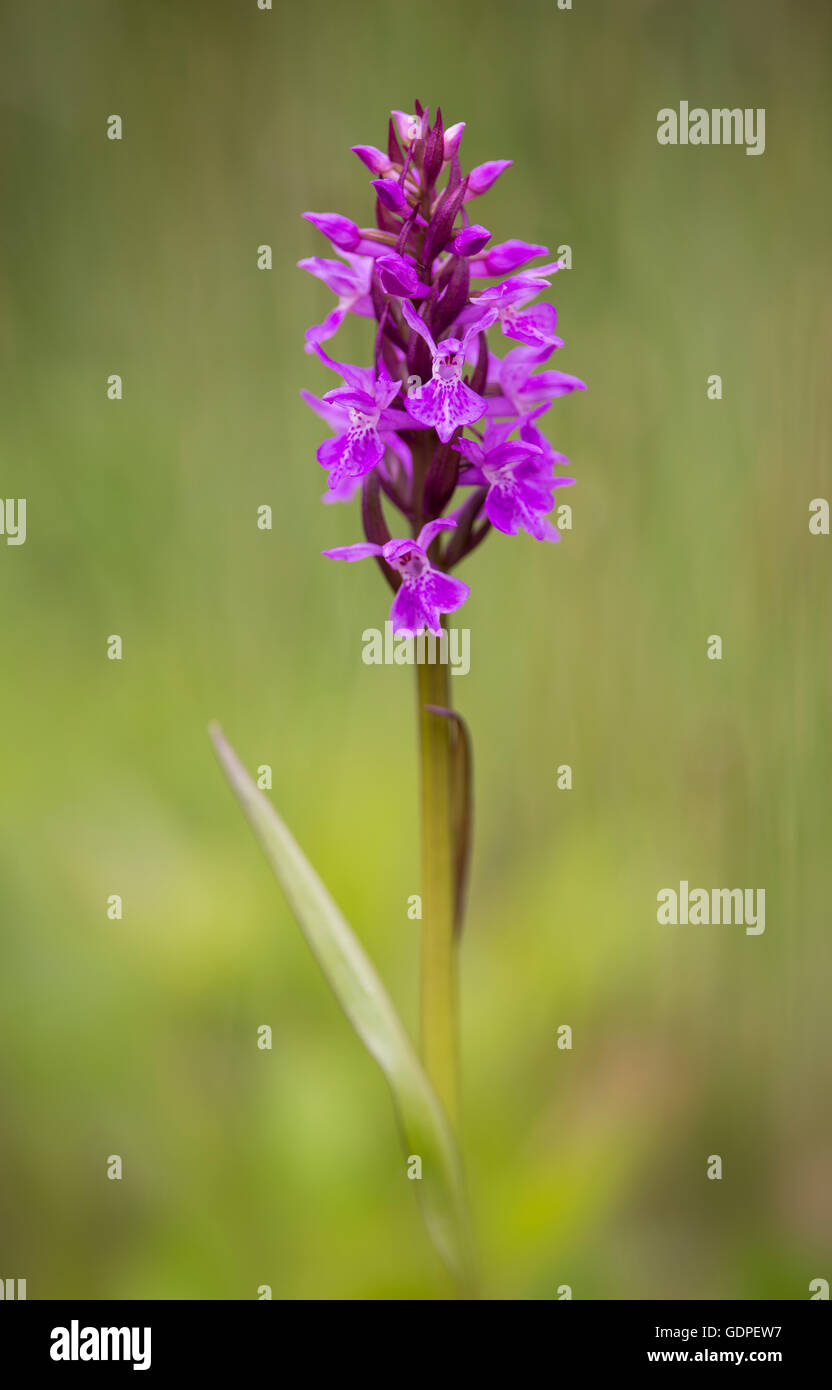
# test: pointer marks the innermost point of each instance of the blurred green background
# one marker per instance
(245, 1167)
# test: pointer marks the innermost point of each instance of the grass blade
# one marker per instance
(361, 994)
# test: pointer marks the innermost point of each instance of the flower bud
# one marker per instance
(376, 160)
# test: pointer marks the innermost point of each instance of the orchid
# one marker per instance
(485, 176)
(425, 593)
(446, 402)
(508, 301)
(471, 240)
(508, 255)
(362, 418)
(440, 430)
(399, 277)
(518, 476)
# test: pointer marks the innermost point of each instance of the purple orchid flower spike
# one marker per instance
(519, 479)
(415, 272)
(445, 402)
(424, 592)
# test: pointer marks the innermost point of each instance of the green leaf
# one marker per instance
(361, 994)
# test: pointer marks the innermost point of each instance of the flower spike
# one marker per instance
(437, 426)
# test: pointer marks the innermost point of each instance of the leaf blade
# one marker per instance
(372, 1015)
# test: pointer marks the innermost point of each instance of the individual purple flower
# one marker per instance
(484, 176)
(519, 480)
(337, 418)
(399, 277)
(425, 593)
(445, 402)
(535, 326)
(346, 235)
(392, 196)
(376, 160)
(452, 137)
(409, 127)
(397, 460)
(343, 233)
(363, 404)
(506, 256)
(350, 281)
(470, 240)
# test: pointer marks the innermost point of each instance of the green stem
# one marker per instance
(440, 1001)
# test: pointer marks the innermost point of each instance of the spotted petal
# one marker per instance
(350, 455)
(445, 405)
